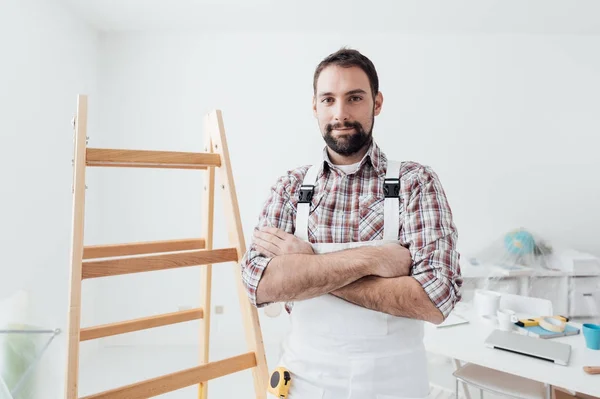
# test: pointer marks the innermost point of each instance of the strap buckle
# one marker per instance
(306, 193)
(391, 188)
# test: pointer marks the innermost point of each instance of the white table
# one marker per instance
(466, 343)
(566, 290)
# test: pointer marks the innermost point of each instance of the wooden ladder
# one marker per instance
(90, 262)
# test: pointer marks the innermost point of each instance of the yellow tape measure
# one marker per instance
(536, 321)
(279, 384)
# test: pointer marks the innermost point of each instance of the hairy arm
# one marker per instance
(295, 272)
(280, 267)
(302, 276)
(432, 287)
(398, 296)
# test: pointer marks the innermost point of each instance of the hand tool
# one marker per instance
(279, 384)
(536, 321)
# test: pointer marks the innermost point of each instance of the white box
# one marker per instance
(584, 296)
(576, 263)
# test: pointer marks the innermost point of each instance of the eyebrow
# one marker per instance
(351, 92)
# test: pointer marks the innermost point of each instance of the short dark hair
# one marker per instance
(347, 58)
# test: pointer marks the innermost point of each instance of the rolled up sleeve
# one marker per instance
(431, 236)
(253, 267)
(277, 213)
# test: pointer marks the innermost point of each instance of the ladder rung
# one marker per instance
(181, 379)
(113, 267)
(144, 323)
(145, 165)
(151, 159)
(137, 248)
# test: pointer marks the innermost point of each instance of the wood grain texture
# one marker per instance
(592, 370)
(208, 204)
(254, 339)
(138, 165)
(181, 379)
(113, 267)
(146, 158)
(77, 230)
(161, 255)
(138, 248)
(144, 323)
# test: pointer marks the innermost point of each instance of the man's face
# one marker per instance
(345, 109)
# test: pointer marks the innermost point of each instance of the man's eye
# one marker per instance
(355, 98)
(327, 100)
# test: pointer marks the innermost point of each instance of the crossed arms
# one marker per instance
(372, 277)
(419, 279)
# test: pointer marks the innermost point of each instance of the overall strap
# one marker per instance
(391, 190)
(304, 200)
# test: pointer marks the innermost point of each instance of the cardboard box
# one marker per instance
(558, 394)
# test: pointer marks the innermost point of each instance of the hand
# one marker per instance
(393, 260)
(272, 242)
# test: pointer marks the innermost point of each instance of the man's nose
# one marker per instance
(341, 112)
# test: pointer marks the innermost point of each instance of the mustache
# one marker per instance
(346, 124)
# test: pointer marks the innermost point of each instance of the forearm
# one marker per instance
(398, 296)
(301, 276)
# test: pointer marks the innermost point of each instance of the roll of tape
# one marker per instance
(552, 324)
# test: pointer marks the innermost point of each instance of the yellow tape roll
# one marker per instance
(552, 324)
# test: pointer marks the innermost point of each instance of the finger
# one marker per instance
(275, 231)
(268, 237)
(268, 246)
(264, 252)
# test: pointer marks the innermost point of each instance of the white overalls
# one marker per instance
(338, 350)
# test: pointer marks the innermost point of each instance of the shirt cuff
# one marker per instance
(439, 290)
(253, 277)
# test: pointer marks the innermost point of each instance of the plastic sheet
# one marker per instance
(21, 348)
(526, 263)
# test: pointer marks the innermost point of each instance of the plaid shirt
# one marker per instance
(349, 208)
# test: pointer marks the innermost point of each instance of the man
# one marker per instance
(362, 249)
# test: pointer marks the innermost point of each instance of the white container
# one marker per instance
(506, 319)
(486, 303)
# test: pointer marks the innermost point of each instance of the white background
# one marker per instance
(505, 110)
(47, 56)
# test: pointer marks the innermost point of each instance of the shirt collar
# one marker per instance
(374, 156)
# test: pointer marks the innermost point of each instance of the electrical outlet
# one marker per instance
(219, 309)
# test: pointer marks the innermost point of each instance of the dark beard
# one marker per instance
(350, 143)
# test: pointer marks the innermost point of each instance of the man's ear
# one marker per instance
(378, 103)
(314, 106)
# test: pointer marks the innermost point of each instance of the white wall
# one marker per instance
(47, 57)
(510, 123)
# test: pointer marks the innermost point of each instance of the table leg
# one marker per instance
(457, 365)
(524, 286)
